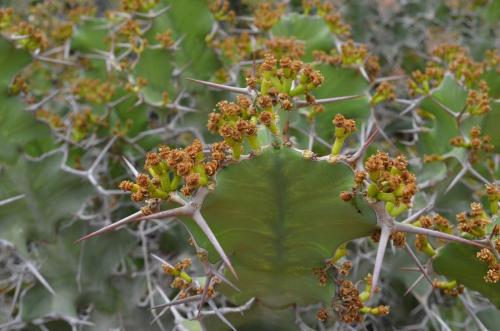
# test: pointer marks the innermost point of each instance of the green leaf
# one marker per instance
(195, 21)
(278, 216)
(489, 125)
(490, 318)
(459, 262)
(442, 126)
(18, 128)
(341, 82)
(90, 35)
(50, 196)
(154, 65)
(80, 274)
(312, 30)
(12, 60)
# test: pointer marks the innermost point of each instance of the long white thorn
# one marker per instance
(436, 234)
(202, 223)
(225, 280)
(159, 259)
(382, 245)
(204, 295)
(130, 166)
(111, 227)
(417, 262)
(179, 211)
(415, 283)
(302, 103)
(178, 302)
(223, 87)
(40, 278)
(220, 315)
(456, 179)
(12, 199)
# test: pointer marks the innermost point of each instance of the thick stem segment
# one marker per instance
(337, 146)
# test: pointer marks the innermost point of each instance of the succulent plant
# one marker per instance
(273, 211)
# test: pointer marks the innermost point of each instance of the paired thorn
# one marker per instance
(220, 315)
(382, 245)
(179, 211)
(417, 262)
(12, 199)
(130, 167)
(40, 278)
(436, 234)
(456, 179)
(415, 283)
(111, 227)
(204, 295)
(223, 87)
(202, 223)
(159, 259)
(138, 216)
(178, 302)
(303, 103)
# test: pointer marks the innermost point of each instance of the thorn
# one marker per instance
(179, 211)
(436, 234)
(204, 295)
(178, 302)
(161, 260)
(225, 280)
(234, 89)
(417, 262)
(444, 107)
(40, 278)
(130, 167)
(219, 315)
(111, 227)
(12, 199)
(365, 145)
(409, 269)
(415, 283)
(302, 103)
(202, 223)
(152, 14)
(456, 179)
(417, 214)
(382, 245)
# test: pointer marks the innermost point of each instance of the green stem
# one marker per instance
(372, 190)
(175, 182)
(398, 210)
(337, 146)
(300, 89)
(165, 182)
(200, 169)
(236, 148)
(387, 197)
(254, 143)
(277, 83)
